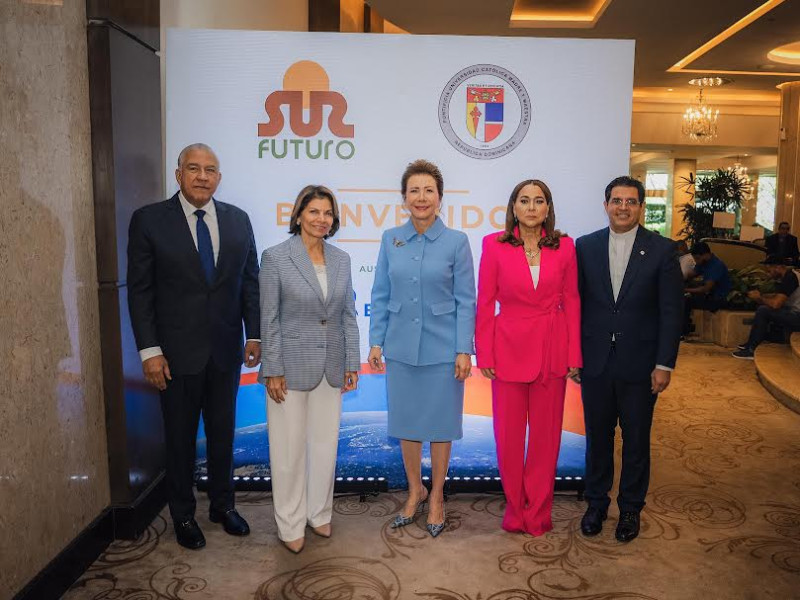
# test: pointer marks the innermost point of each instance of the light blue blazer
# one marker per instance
(423, 297)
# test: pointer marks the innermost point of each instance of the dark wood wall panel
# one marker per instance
(141, 18)
(125, 105)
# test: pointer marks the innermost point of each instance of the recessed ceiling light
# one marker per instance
(669, 89)
(788, 54)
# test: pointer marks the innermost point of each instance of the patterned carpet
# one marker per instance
(722, 521)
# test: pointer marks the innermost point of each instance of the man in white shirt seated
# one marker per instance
(686, 260)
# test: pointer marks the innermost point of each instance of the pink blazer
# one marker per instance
(537, 331)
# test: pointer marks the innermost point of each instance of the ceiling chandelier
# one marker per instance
(740, 172)
(700, 119)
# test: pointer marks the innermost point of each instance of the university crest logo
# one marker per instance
(485, 111)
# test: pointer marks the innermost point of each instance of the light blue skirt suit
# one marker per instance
(422, 314)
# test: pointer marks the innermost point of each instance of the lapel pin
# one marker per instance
(398, 243)
(641, 252)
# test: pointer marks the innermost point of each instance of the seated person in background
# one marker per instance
(783, 245)
(713, 291)
(782, 307)
(686, 260)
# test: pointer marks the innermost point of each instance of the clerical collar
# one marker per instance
(623, 236)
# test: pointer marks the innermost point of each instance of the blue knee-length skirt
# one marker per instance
(426, 403)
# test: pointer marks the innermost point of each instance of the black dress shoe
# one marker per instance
(231, 520)
(628, 526)
(592, 521)
(189, 534)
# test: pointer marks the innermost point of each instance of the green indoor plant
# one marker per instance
(724, 191)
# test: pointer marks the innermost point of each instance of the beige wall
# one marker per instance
(53, 464)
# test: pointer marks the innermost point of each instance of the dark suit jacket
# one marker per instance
(646, 318)
(170, 302)
(789, 250)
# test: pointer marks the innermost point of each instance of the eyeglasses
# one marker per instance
(628, 202)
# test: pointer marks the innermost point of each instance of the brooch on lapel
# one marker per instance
(398, 243)
(641, 252)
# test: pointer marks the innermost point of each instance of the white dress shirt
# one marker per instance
(620, 246)
(210, 219)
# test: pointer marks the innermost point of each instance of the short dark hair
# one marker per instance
(625, 181)
(782, 223)
(700, 248)
(306, 195)
(422, 167)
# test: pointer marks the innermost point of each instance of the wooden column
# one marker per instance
(788, 187)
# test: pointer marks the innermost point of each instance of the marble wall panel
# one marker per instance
(53, 462)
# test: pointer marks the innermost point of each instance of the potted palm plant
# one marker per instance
(724, 191)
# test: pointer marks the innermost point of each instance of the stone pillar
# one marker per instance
(682, 168)
(788, 188)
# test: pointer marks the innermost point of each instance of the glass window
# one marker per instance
(765, 202)
(655, 214)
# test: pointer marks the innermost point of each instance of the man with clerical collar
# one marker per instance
(631, 300)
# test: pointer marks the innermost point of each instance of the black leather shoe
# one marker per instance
(592, 521)
(628, 526)
(231, 520)
(189, 534)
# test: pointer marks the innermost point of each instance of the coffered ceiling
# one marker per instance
(675, 39)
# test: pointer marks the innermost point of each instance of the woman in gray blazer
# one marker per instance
(309, 357)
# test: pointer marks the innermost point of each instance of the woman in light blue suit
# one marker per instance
(309, 356)
(423, 322)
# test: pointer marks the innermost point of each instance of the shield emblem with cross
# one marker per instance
(484, 112)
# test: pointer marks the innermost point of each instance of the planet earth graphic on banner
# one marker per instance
(364, 448)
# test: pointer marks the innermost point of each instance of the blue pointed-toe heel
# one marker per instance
(436, 528)
(402, 521)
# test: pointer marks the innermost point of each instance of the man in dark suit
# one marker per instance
(631, 307)
(192, 281)
(783, 245)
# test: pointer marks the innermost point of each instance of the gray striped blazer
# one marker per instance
(304, 337)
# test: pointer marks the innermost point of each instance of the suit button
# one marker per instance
(416, 320)
(415, 299)
(615, 311)
(323, 322)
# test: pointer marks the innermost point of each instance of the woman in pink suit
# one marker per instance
(528, 349)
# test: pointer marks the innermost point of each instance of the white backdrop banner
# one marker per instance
(350, 111)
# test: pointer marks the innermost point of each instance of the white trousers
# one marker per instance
(303, 439)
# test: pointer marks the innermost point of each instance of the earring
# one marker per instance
(516, 220)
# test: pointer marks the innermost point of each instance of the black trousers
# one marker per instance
(709, 303)
(211, 392)
(606, 400)
(788, 319)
